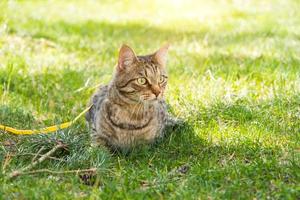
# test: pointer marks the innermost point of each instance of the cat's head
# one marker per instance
(141, 78)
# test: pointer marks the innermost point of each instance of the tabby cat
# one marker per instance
(131, 109)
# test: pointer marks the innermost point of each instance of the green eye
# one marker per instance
(161, 79)
(141, 81)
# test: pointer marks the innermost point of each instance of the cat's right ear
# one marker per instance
(126, 57)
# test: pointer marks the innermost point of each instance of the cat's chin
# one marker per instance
(150, 101)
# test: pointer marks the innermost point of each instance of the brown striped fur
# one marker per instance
(131, 109)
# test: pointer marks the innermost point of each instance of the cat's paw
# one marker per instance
(174, 122)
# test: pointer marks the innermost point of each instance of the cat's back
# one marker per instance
(96, 101)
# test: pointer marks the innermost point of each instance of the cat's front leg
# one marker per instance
(97, 138)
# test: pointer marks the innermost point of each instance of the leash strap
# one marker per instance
(45, 130)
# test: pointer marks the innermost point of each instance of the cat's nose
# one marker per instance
(156, 90)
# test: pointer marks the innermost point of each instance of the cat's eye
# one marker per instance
(141, 81)
(162, 79)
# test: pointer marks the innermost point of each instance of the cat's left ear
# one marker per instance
(160, 56)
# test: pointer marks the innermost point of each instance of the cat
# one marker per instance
(131, 109)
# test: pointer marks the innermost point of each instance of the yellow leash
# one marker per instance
(43, 130)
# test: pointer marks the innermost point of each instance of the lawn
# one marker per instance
(234, 77)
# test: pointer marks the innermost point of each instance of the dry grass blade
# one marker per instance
(77, 171)
(6, 161)
(34, 163)
(37, 154)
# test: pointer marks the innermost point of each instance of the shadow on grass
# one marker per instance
(239, 163)
(184, 146)
(85, 35)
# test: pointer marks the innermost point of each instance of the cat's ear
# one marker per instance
(126, 57)
(160, 56)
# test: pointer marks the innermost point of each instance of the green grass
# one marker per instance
(234, 71)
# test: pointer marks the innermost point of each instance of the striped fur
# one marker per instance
(128, 111)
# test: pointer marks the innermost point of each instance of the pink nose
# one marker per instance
(156, 90)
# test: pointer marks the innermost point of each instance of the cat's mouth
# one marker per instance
(147, 98)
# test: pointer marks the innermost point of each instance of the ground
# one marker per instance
(234, 77)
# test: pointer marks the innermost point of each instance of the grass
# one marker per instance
(234, 77)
